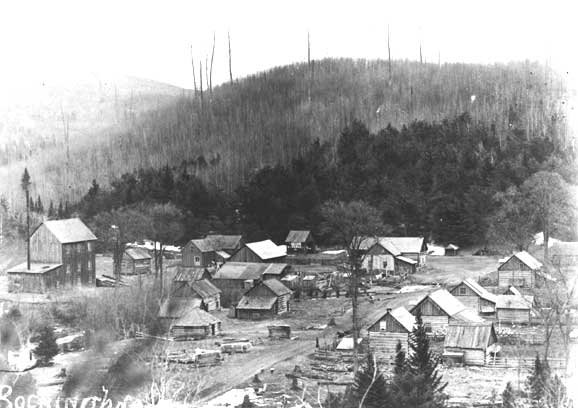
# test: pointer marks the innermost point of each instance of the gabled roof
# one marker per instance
(220, 242)
(256, 303)
(277, 287)
(445, 301)
(402, 316)
(248, 270)
(223, 254)
(189, 273)
(204, 288)
(452, 247)
(203, 245)
(196, 318)
(69, 231)
(479, 290)
(470, 335)
(137, 253)
(267, 249)
(175, 308)
(512, 290)
(406, 260)
(298, 236)
(395, 245)
(526, 259)
(513, 302)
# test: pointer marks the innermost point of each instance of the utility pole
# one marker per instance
(26, 188)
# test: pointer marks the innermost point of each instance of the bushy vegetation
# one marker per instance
(47, 347)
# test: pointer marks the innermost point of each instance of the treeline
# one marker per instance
(438, 180)
(273, 117)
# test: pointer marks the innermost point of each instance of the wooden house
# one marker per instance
(520, 270)
(438, 309)
(136, 261)
(384, 334)
(203, 289)
(211, 249)
(452, 250)
(564, 254)
(513, 309)
(263, 251)
(266, 300)
(235, 278)
(380, 257)
(195, 324)
(68, 243)
(414, 248)
(40, 278)
(300, 241)
(470, 343)
(475, 297)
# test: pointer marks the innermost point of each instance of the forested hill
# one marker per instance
(271, 117)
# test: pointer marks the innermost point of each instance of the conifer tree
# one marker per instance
(60, 214)
(47, 347)
(557, 396)
(39, 206)
(51, 210)
(508, 396)
(370, 389)
(538, 381)
(400, 366)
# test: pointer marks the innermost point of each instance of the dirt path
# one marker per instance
(239, 368)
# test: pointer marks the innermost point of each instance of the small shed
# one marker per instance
(439, 308)
(195, 324)
(470, 341)
(279, 331)
(209, 294)
(452, 250)
(262, 251)
(384, 334)
(405, 266)
(300, 241)
(266, 300)
(40, 278)
(474, 296)
(521, 270)
(136, 261)
(198, 252)
(513, 309)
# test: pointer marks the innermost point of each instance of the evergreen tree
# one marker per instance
(370, 389)
(39, 206)
(538, 381)
(508, 396)
(51, 210)
(60, 213)
(400, 365)
(47, 347)
(557, 396)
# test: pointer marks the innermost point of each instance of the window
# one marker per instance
(197, 260)
(383, 325)
(89, 246)
(462, 291)
(427, 327)
(89, 266)
(384, 264)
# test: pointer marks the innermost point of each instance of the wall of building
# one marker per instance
(382, 344)
(513, 315)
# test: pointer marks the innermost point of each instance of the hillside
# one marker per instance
(270, 117)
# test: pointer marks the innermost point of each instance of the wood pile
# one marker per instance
(106, 281)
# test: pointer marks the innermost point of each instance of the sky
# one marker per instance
(59, 39)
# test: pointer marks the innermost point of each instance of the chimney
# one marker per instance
(388, 310)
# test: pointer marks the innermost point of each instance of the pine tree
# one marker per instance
(400, 365)
(538, 381)
(39, 206)
(508, 396)
(51, 210)
(557, 396)
(60, 214)
(370, 386)
(47, 347)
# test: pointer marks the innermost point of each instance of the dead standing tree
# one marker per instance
(211, 69)
(352, 224)
(230, 69)
(194, 76)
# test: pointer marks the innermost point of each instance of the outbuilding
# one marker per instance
(521, 270)
(513, 309)
(195, 324)
(204, 290)
(266, 300)
(474, 296)
(452, 250)
(136, 261)
(262, 251)
(471, 343)
(300, 241)
(391, 328)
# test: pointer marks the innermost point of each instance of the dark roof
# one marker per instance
(204, 288)
(137, 253)
(175, 308)
(229, 242)
(189, 274)
(470, 335)
(203, 245)
(70, 230)
(402, 316)
(247, 270)
(298, 236)
(277, 287)
(196, 318)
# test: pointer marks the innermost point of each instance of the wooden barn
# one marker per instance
(300, 241)
(203, 289)
(68, 243)
(211, 249)
(564, 255)
(262, 251)
(440, 308)
(136, 261)
(513, 309)
(452, 250)
(475, 297)
(520, 270)
(235, 278)
(384, 334)
(266, 300)
(470, 343)
(194, 325)
(40, 278)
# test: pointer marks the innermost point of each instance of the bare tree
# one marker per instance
(211, 70)
(230, 69)
(201, 78)
(388, 52)
(194, 76)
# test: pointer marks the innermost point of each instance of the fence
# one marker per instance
(524, 362)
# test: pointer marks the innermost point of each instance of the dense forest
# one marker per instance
(444, 180)
(240, 128)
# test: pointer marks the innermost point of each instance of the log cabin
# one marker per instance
(391, 328)
(68, 243)
(194, 325)
(520, 270)
(211, 249)
(452, 250)
(513, 309)
(262, 251)
(414, 248)
(266, 300)
(204, 290)
(438, 309)
(300, 241)
(470, 343)
(475, 297)
(136, 261)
